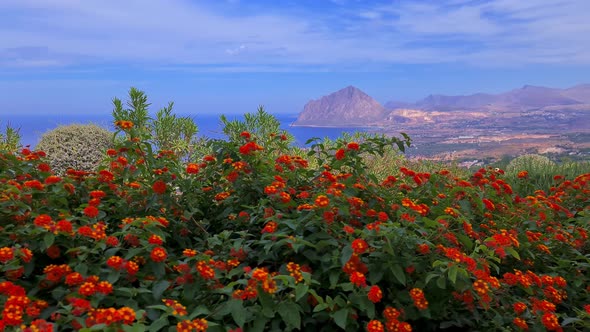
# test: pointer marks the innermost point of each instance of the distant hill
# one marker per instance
(526, 98)
(579, 92)
(347, 107)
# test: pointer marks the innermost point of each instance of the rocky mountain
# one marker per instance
(347, 107)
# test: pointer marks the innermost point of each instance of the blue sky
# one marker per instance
(229, 56)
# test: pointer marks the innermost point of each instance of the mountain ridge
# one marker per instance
(351, 106)
(526, 97)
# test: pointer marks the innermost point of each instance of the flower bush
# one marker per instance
(251, 238)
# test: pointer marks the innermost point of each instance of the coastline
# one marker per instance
(337, 126)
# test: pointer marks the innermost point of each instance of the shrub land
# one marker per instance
(249, 234)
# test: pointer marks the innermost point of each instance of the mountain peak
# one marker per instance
(347, 106)
(350, 91)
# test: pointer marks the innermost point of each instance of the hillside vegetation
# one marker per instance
(252, 234)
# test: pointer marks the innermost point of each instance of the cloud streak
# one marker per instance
(161, 33)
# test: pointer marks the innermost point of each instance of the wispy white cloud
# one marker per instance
(44, 33)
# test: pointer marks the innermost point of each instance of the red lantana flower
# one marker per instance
(359, 246)
(375, 294)
(159, 187)
(91, 211)
(353, 146)
(158, 254)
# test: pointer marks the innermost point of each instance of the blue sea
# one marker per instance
(32, 127)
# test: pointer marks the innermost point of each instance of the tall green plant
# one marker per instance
(166, 131)
(10, 139)
(262, 124)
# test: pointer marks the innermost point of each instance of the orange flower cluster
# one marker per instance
(520, 323)
(392, 323)
(250, 147)
(375, 326)
(358, 279)
(295, 272)
(503, 240)
(195, 325)
(291, 162)
(6, 254)
(177, 308)
(123, 124)
(269, 227)
(192, 168)
(551, 322)
(249, 293)
(482, 288)
(55, 273)
(91, 211)
(155, 239)
(206, 271)
(354, 264)
(222, 196)
(267, 283)
(108, 316)
(553, 288)
(322, 201)
(417, 296)
(422, 208)
(375, 294)
(118, 263)
(359, 246)
(96, 232)
(189, 252)
(159, 187)
(158, 254)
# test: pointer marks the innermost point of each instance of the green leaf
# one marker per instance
(570, 320)
(159, 324)
(334, 276)
(48, 239)
(399, 274)
(441, 283)
(159, 288)
(134, 328)
(340, 317)
(124, 291)
(453, 273)
(429, 277)
(289, 311)
(238, 312)
(346, 254)
(200, 310)
(320, 307)
(113, 276)
(158, 306)
(513, 252)
(259, 324)
(267, 303)
(301, 291)
(466, 241)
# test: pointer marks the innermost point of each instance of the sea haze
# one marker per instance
(32, 126)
